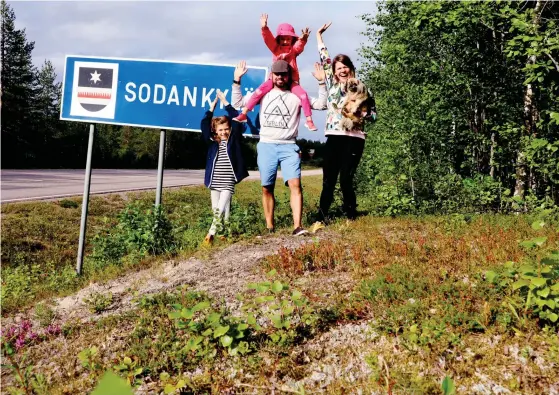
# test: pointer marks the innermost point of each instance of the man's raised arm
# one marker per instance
(237, 99)
(319, 103)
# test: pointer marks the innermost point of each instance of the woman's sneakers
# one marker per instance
(310, 125)
(240, 118)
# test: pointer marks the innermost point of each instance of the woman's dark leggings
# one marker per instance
(341, 156)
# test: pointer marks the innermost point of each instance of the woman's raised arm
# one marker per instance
(324, 55)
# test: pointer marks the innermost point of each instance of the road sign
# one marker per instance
(148, 93)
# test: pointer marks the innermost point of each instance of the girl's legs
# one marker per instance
(258, 94)
(221, 206)
(225, 204)
(306, 104)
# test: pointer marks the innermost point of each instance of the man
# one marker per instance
(279, 123)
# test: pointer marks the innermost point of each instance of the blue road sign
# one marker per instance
(148, 93)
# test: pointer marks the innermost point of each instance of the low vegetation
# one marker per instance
(424, 304)
(125, 233)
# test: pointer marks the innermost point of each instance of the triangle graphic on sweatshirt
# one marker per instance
(277, 113)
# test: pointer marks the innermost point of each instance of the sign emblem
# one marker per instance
(94, 90)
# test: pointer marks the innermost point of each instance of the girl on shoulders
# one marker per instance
(285, 46)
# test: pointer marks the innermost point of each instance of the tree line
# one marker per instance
(33, 136)
(467, 103)
(468, 106)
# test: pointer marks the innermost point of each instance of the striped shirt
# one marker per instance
(223, 177)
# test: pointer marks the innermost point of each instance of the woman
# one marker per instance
(343, 149)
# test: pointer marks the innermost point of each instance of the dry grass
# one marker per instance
(402, 303)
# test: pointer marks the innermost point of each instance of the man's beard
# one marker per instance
(281, 84)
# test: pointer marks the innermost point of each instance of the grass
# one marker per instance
(39, 240)
(389, 305)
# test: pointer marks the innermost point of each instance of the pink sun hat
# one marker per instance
(285, 29)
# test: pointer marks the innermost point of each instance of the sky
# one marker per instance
(222, 32)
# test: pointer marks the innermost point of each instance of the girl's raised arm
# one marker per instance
(299, 45)
(267, 35)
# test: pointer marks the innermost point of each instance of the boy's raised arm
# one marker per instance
(206, 123)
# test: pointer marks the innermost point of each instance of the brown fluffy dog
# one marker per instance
(357, 105)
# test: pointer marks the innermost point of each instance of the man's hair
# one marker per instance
(216, 121)
(346, 61)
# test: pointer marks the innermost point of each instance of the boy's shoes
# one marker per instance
(271, 230)
(240, 118)
(310, 125)
(299, 231)
(209, 239)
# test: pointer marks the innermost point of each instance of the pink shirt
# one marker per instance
(287, 54)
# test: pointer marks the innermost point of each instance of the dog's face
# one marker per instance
(356, 87)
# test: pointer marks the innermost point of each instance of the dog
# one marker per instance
(358, 105)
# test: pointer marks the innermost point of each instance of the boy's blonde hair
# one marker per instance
(216, 121)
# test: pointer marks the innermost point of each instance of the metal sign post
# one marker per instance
(160, 168)
(85, 200)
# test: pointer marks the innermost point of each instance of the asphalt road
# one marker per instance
(21, 185)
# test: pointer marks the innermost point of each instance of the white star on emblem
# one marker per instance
(95, 76)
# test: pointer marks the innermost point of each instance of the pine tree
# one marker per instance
(48, 108)
(18, 93)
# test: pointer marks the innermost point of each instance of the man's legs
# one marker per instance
(267, 158)
(290, 162)
(268, 203)
(296, 198)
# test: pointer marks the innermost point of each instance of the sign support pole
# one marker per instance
(160, 168)
(85, 201)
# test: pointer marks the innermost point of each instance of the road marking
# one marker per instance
(22, 181)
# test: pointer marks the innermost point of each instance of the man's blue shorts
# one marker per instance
(270, 155)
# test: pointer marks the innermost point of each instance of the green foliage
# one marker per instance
(208, 331)
(89, 359)
(130, 368)
(27, 382)
(448, 386)
(535, 284)
(275, 314)
(449, 135)
(98, 302)
(67, 203)
(44, 314)
(148, 232)
(111, 384)
(284, 315)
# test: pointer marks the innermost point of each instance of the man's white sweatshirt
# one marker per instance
(280, 112)
(269, 132)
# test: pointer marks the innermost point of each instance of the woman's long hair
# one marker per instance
(346, 61)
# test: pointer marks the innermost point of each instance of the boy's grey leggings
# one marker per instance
(221, 206)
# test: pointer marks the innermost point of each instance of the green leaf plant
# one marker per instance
(534, 282)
